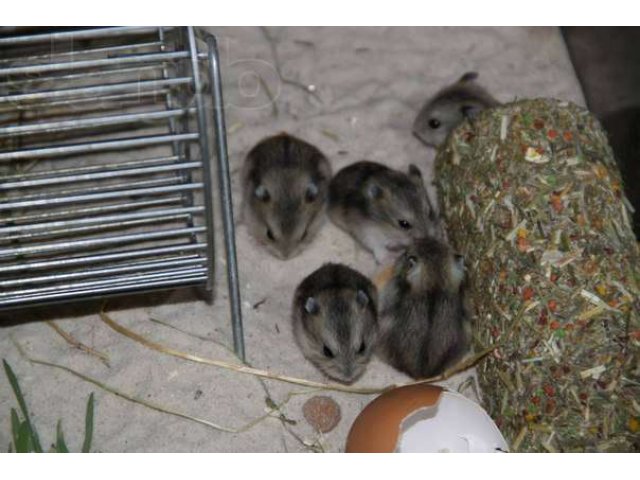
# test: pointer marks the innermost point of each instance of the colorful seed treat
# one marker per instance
(533, 199)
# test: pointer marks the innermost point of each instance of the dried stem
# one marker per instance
(272, 98)
(276, 60)
(275, 407)
(155, 406)
(79, 345)
(462, 366)
(193, 335)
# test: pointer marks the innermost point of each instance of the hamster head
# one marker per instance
(339, 332)
(449, 108)
(288, 205)
(286, 190)
(336, 328)
(401, 203)
(429, 264)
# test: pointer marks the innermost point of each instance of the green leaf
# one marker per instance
(88, 426)
(33, 435)
(15, 425)
(61, 446)
(24, 441)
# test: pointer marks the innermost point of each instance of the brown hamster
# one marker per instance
(285, 182)
(424, 315)
(335, 321)
(449, 107)
(382, 208)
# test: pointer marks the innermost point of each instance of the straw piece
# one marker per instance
(104, 358)
(460, 367)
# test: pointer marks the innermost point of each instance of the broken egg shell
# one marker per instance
(424, 418)
(377, 428)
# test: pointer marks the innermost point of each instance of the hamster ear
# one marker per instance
(262, 193)
(468, 77)
(469, 111)
(374, 191)
(414, 273)
(416, 176)
(457, 269)
(414, 171)
(311, 306)
(312, 192)
(362, 298)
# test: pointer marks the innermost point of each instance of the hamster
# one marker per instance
(382, 208)
(449, 107)
(335, 321)
(285, 187)
(425, 320)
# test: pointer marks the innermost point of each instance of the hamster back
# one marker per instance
(424, 314)
(335, 321)
(285, 182)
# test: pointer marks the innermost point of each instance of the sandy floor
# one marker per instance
(363, 89)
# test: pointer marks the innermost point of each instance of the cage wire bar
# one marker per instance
(106, 175)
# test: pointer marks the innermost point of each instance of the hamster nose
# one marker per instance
(287, 250)
(398, 245)
(349, 373)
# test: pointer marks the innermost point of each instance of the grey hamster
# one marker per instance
(285, 182)
(449, 107)
(424, 315)
(382, 208)
(335, 321)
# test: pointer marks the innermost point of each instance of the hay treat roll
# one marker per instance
(533, 199)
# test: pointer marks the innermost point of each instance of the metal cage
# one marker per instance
(106, 171)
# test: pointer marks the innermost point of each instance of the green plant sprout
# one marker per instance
(24, 434)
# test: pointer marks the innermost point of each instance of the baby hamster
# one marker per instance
(286, 182)
(449, 107)
(382, 208)
(335, 321)
(424, 315)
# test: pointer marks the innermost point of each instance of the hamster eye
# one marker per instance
(270, 235)
(411, 261)
(362, 348)
(404, 224)
(327, 352)
(434, 123)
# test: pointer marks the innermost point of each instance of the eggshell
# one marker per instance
(424, 418)
(377, 428)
